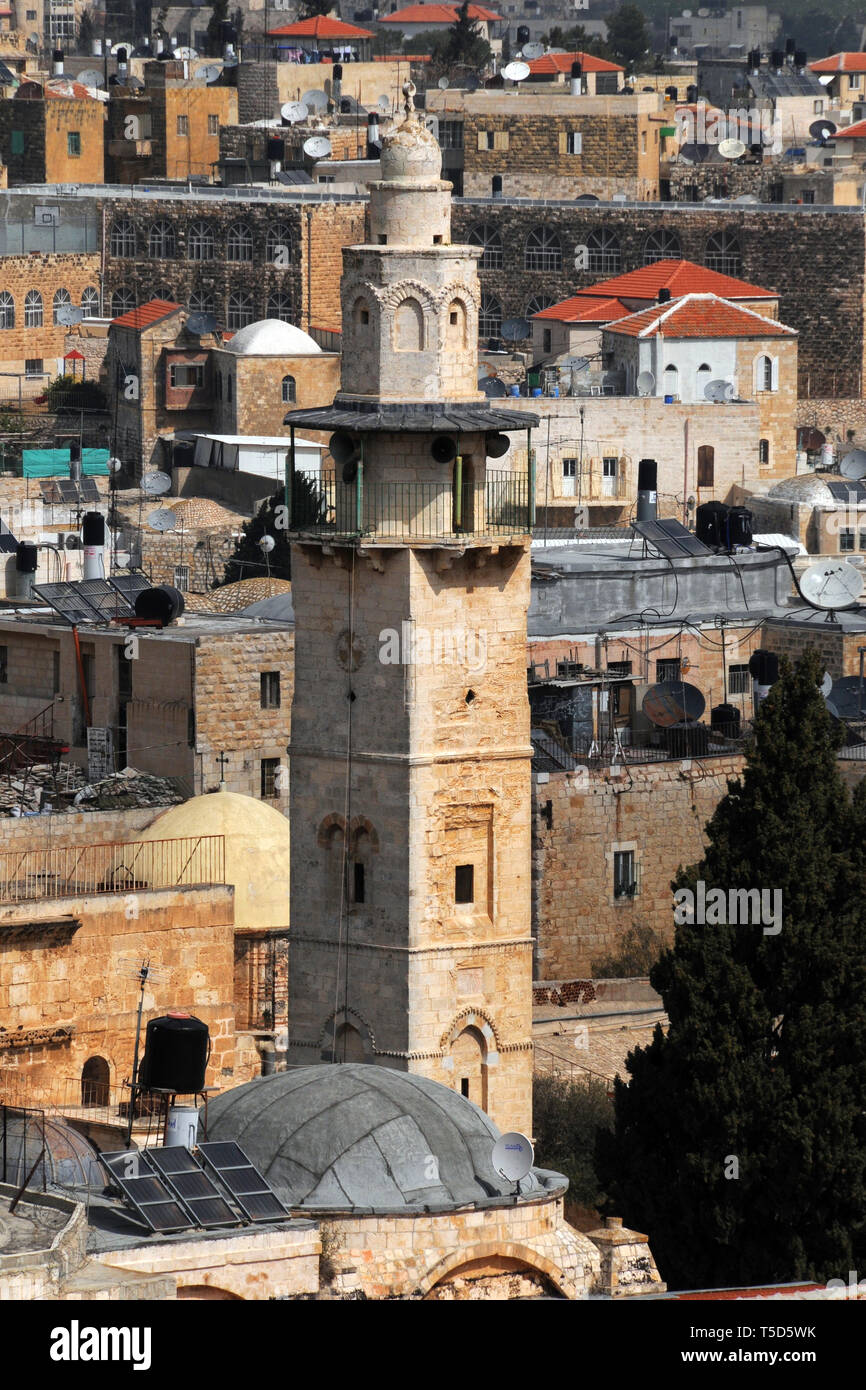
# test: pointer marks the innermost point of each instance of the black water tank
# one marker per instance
(93, 528)
(183, 453)
(764, 667)
(711, 523)
(161, 604)
(689, 739)
(725, 719)
(26, 558)
(740, 521)
(176, 1052)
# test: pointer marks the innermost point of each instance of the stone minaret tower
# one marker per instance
(410, 755)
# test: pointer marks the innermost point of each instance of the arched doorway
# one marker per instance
(469, 1055)
(95, 1081)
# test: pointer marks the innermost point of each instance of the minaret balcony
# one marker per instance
(404, 512)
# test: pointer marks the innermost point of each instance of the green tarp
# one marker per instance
(54, 463)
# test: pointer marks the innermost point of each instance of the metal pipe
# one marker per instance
(359, 492)
(82, 682)
(458, 493)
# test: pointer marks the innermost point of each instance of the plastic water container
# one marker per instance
(515, 390)
(182, 1130)
(669, 400)
(536, 390)
(555, 391)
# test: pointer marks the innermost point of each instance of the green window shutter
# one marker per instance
(18, 142)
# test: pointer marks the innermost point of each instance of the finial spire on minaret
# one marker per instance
(409, 90)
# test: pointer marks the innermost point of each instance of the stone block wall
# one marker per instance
(47, 273)
(229, 715)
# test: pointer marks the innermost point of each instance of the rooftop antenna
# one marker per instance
(145, 973)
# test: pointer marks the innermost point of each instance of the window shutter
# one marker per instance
(500, 140)
(482, 139)
(775, 375)
(576, 142)
(563, 142)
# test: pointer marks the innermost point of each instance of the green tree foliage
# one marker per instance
(248, 561)
(86, 32)
(637, 953)
(824, 31)
(575, 39)
(218, 17)
(627, 36)
(311, 8)
(763, 1071)
(72, 393)
(566, 1120)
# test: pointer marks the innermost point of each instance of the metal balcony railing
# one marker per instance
(113, 867)
(501, 505)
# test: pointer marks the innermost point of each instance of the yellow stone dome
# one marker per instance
(256, 850)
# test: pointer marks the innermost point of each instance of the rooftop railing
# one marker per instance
(113, 867)
(412, 510)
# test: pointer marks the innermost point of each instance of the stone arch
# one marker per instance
(523, 1256)
(468, 1063)
(360, 825)
(206, 1293)
(96, 1082)
(324, 833)
(347, 1024)
(473, 1018)
(360, 312)
(457, 326)
(408, 331)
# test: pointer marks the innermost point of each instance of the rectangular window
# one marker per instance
(738, 680)
(846, 540)
(451, 135)
(485, 139)
(358, 883)
(73, 143)
(464, 883)
(213, 125)
(270, 689)
(863, 540)
(624, 879)
(668, 669)
(854, 81)
(18, 142)
(643, 142)
(4, 665)
(269, 777)
(181, 578)
(818, 107)
(706, 465)
(619, 668)
(808, 195)
(574, 142)
(55, 673)
(183, 125)
(186, 374)
(33, 366)
(124, 674)
(569, 468)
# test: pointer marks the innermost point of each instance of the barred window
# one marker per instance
(491, 244)
(7, 310)
(278, 244)
(90, 302)
(33, 309)
(738, 680)
(240, 311)
(201, 303)
(122, 300)
(668, 668)
(61, 299)
(543, 250)
(280, 307)
(537, 303)
(662, 245)
(239, 243)
(451, 135)
(161, 240)
(290, 394)
(489, 317)
(200, 242)
(605, 256)
(121, 241)
(723, 254)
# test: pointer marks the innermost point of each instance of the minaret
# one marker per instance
(410, 753)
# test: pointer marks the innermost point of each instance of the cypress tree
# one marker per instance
(740, 1143)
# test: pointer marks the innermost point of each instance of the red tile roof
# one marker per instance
(840, 62)
(585, 308)
(857, 131)
(680, 277)
(561, 62)
(700, 316)
(435, 14)
(146, 314)
(320, 27)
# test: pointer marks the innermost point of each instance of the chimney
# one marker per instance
(789, 51)
(647, 497)
(664, 295)
(576, 73)
(57, 62)
(337, 84)
(122, 69)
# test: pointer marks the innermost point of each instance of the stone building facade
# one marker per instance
(53, 140)
(174, 131)
(36, 282)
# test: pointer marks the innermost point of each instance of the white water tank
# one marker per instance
(182, 1129)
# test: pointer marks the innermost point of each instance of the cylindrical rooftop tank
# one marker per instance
(176, 1051)
(162, 604)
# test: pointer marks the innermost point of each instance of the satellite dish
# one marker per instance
(746, 198)
(294, 112)
(115, 465)
(442, 84)
(267, 543)
(384, 104)
(687, 14)
(200, 323)
(496, 446)
(155, 484)
(209, 73)
(831, 584)
(317, 147)
(853, 465)
(162, 521)
(187, 54)
(731, 149)
(645, 383)
(90, 78)
(533, 50)
(718, 390)
(516, 72)
(515, 330)
(847, 700)
(512, 1156)
(672, 702)
(822, 130)
(315, 100)
(68, 314)
(492, 387)
(827, 684)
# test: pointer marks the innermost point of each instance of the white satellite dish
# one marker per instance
(69, 314)
(719, 390)
(90, 78)
(211, 72)
(155, 484)
(826, 78)
(187, 54)
(831, 584)
(162, 521)
(267, 543)
(731, 149)
(442, 84)
(512, 1156)
(826, 684)
(115, 464)
(315, 100)
(531, 51)
(384, 104)
(853, 465)
(294, 112)
(516, 72)
(317, 147)
(123, 43)
(645, 383)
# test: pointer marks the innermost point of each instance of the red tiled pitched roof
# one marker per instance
(700, 316)
(680, 277)
(561, 62)
(435, 14)
(840, 62)
(146, 314)
(320, 27)
(585, 308)
(857, 131)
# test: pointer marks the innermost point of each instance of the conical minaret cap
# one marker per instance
(410, 152)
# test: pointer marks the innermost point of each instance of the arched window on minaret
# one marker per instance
(409, 326)
(349, 1045)
(360, 313)
(455, 328)
(331, 841)
(469, 1056)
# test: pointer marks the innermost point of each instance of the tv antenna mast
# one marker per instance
(146, 974)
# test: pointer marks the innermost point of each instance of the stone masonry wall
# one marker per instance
(229, 713)
(47, 273)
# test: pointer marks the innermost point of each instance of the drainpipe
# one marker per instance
(686, 472)
(80, 664)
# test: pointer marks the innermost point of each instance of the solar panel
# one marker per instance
(192, 1186)
(89, 490)
(49, 490)
(145, 1191)
(68, 490)
(242, 1178)
(670, 538)
(129, 584)
(8, 543)
(69, 602)
(109, 601)
(851, 490)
